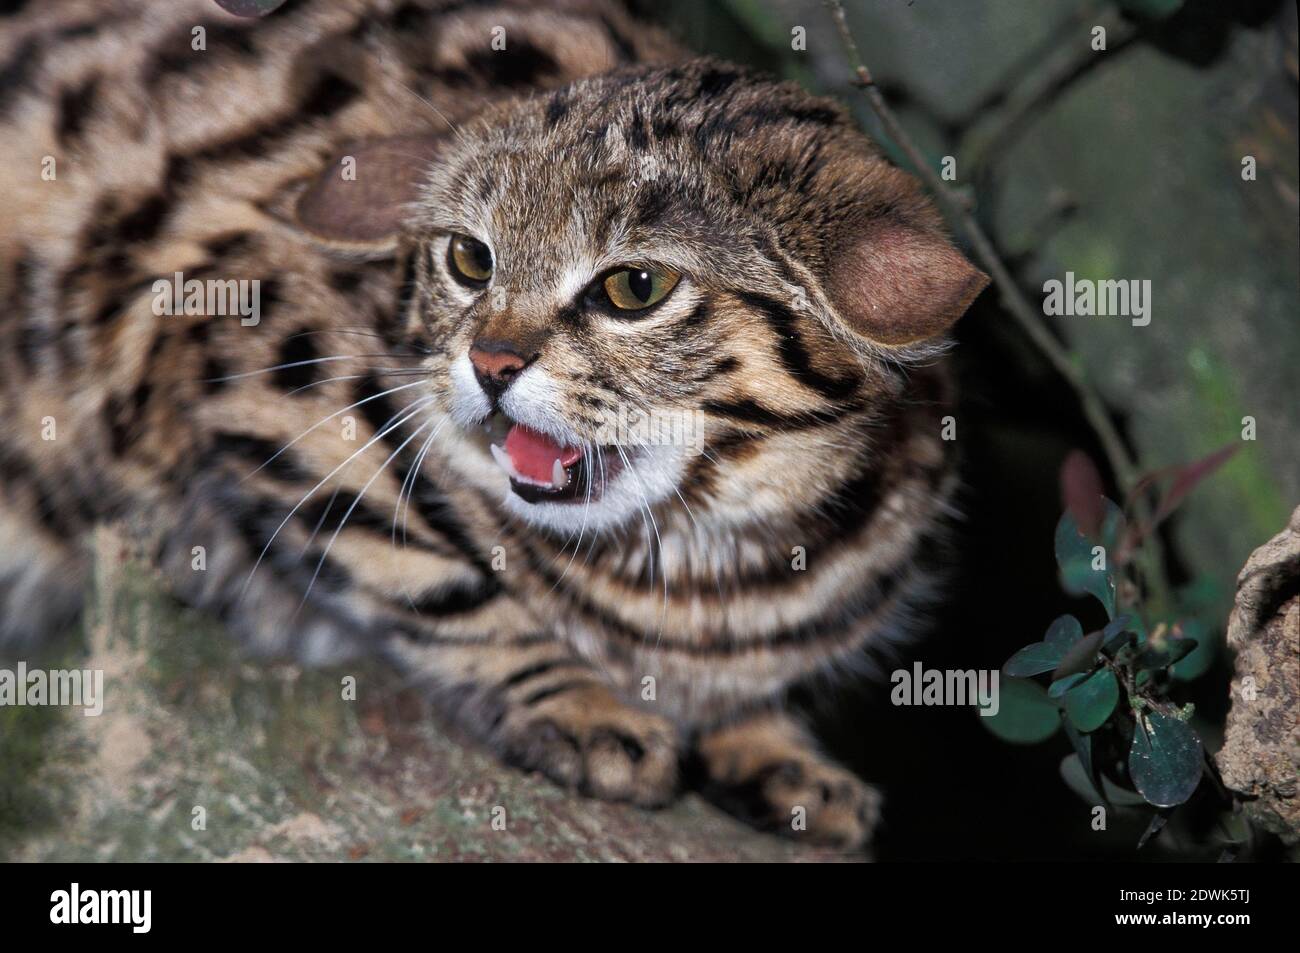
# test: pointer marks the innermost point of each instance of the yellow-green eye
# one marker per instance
(636, 288)
(471, 260)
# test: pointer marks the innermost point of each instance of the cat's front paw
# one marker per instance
(811, 799)
(768, 772)
(587, 740)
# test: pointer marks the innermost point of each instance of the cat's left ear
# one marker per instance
(356, 204)
(898, 282)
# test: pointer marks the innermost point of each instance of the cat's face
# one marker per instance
(684, 288)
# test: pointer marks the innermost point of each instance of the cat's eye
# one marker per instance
(635, 289)
(470, 260)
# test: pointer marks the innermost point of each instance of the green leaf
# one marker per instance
(1081, 657)
(1039, 657)
(1025, 714)
(1063, 685)
(1032, 660)
(1064, 631)
(1165, 760)
(1075, 557)
(1116, 634)
(1090, 703)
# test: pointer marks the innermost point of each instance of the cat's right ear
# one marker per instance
(357, 203)
(898, 283)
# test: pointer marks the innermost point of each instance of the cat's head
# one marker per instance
(687, 287)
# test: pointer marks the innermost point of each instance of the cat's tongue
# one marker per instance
(533, 454)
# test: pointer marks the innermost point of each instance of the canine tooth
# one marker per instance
(503, 460)
(558, 478)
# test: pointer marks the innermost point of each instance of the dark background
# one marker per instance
(1122, 163)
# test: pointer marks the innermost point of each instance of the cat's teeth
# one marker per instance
(559, 478)
(503, 461)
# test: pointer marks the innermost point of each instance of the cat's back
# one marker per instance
(134, 131)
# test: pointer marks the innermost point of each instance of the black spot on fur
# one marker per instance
(230, 244)
(145, 221)
(638, 135)
(176, 55)
(652, 203)
(213, 373)
(406, 291)
(330, 93)
(714, 82)
(253, 452)
(557, 108)
(520, 64)
(553, 691)
(75, 106)
(122, 418)
(345, 282)
(16, 74)
(294, 350)
(455, 600)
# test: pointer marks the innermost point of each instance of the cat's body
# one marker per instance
(669, 605)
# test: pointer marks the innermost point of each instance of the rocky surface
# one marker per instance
(1260, 758)
(200, 755)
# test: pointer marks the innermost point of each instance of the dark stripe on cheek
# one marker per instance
(751, 412)
(791, 351)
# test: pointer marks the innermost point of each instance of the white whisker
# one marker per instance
(388, 427)
(356, 502)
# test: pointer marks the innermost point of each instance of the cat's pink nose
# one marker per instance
(496, 364)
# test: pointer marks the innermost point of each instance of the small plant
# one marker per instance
(1110, 688)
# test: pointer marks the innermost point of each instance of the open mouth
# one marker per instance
(542, 470)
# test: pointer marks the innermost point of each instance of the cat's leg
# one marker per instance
(448, 626)
(767, 770)
(544, 709)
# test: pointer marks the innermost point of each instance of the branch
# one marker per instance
(1029, 90)
(1028, 316)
